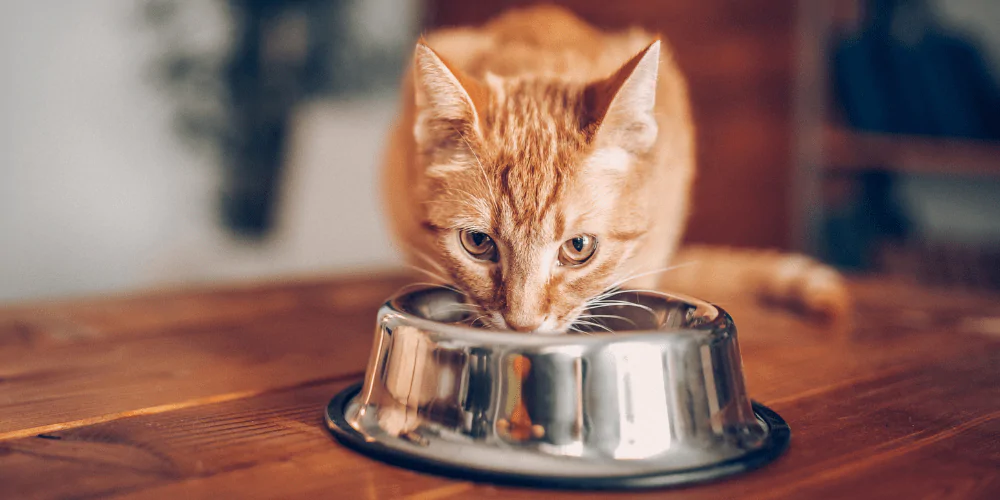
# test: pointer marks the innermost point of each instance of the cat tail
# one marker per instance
(794, 281)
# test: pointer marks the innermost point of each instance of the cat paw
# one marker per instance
(810, 287)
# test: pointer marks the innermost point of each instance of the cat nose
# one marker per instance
(522, 325)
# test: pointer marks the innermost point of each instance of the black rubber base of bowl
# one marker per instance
(777, 442)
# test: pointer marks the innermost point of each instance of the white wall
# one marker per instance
(97, 194)
(329, 220)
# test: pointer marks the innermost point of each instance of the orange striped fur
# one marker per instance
(537, 128)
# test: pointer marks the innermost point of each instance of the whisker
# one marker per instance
(590, 323)
(437, 267)
(610, 316)
(643, 290)
(432, 274)
(434, 285)
(648, 273)
(476, 320)
(620, 303)
(479, 163)
(484, 324)
(602, 299)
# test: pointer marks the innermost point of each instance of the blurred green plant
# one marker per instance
(235, 92)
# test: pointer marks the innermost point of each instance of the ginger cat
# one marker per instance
(538, 162)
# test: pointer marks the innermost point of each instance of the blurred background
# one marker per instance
(168, 142)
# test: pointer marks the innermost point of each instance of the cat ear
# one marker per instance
(447, 100)
(619, 109)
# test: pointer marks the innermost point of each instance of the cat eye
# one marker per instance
(478, 245)
(577, 250)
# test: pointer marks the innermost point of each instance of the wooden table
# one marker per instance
(219, 394)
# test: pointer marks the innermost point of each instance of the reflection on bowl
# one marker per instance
(659, 402)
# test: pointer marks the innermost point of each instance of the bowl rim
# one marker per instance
(718, 327)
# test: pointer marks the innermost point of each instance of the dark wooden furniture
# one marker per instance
(219, 394)
(830, 157)
(831, 147)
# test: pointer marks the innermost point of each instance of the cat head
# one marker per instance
(532, 185)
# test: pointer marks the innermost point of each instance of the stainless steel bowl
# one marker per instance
(660, 402)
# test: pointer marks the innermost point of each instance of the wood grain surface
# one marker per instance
(219, 394)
